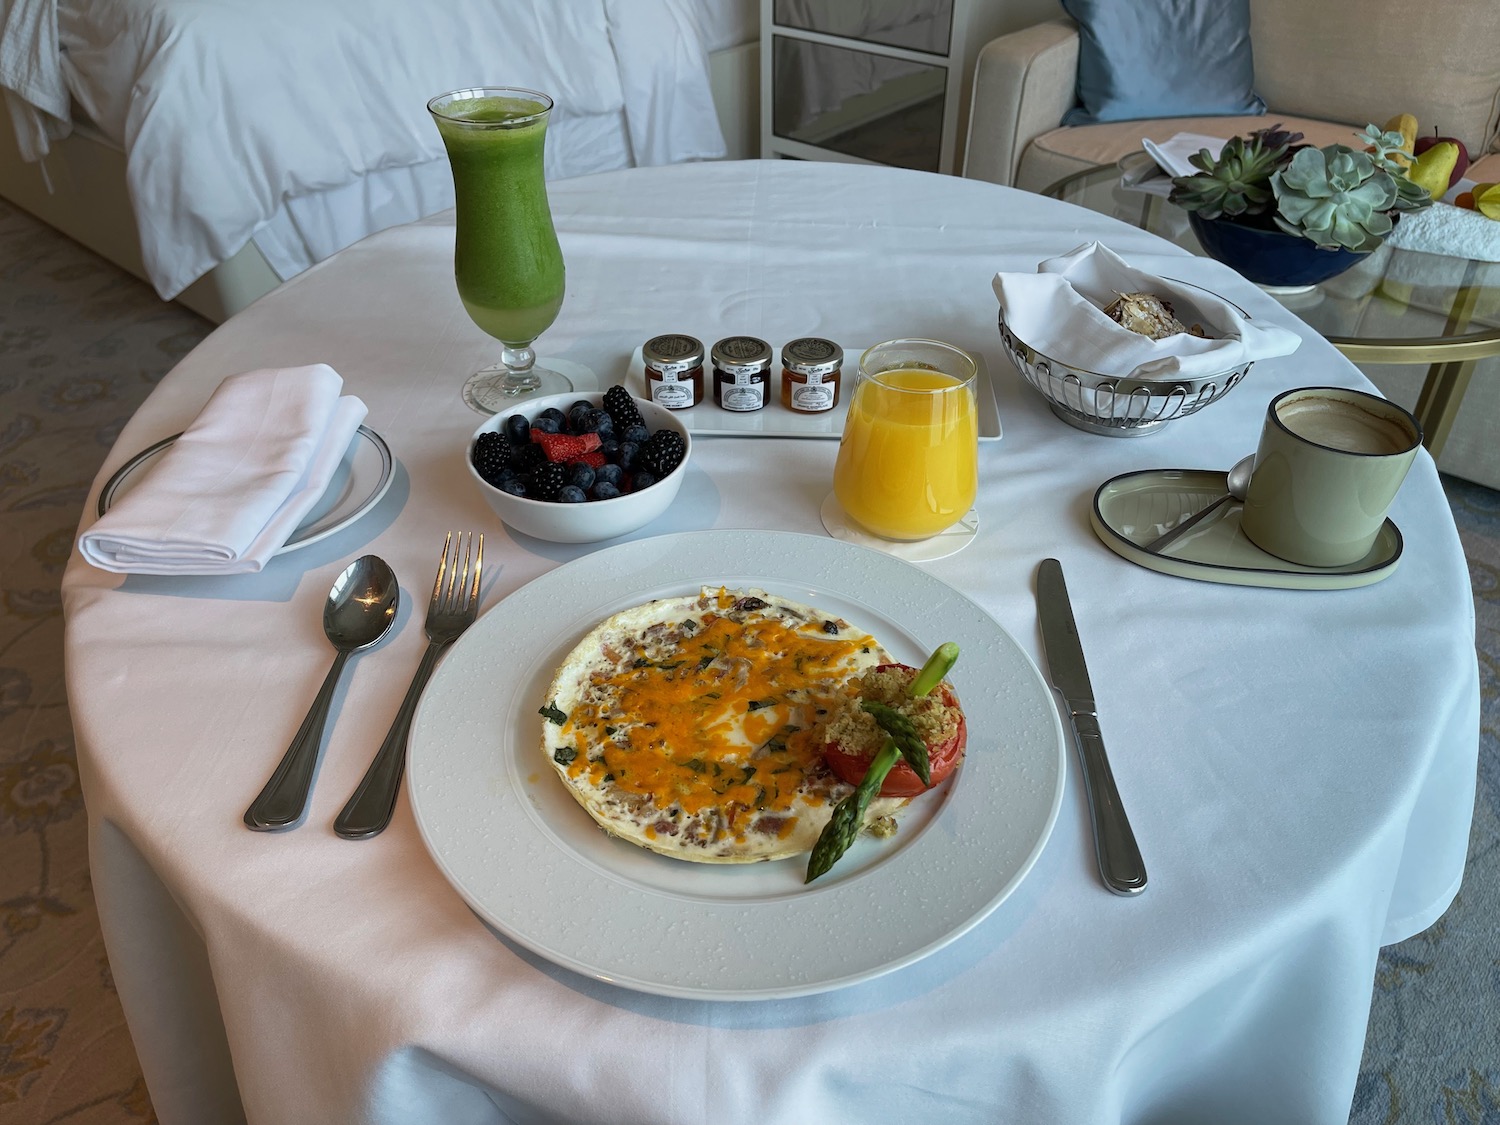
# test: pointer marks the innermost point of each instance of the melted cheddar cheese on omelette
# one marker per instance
(692, 725)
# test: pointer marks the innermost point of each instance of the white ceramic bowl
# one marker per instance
(592, 520)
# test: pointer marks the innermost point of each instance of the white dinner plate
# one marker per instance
(774, 420)
(362, 478)
(531, 862)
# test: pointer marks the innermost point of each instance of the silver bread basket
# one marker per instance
(1106, 404)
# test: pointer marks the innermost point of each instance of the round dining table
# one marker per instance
(1298, 764)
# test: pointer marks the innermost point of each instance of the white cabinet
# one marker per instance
(876, 81)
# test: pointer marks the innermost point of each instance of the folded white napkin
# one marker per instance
(227, 494)
(1172, 155)
(1059, 311)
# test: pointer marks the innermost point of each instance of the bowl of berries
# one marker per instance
(580, 467)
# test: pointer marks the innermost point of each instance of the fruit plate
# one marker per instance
(531, 863)
(774, 420)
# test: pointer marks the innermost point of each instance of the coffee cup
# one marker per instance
(1328, 466)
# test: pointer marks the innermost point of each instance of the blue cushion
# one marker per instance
(1162, 58)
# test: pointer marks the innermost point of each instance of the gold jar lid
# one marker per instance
(812, 355)
(672, 351)
(742, 354)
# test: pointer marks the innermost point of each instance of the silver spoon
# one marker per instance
(1238, 483)
(360, 609)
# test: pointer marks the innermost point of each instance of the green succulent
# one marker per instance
(1339, 197)
(1238, 182)
(1384, 148)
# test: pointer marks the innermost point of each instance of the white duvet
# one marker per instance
(229, 110)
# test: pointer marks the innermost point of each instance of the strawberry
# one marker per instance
(592, 459)
(562, 448)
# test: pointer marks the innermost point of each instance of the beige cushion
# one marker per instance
(1486, 171)
(1067, 150)
(1365, 61)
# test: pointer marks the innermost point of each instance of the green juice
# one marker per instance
(506, 259)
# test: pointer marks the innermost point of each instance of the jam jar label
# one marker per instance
(744, 396)
(672, 394)
(813, 396)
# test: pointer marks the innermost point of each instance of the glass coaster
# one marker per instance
(939, 546)
(582, 378)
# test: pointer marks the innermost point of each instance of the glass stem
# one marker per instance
(519, 360)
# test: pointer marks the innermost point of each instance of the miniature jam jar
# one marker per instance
(810, 369)
(742, 372)
(674, 370)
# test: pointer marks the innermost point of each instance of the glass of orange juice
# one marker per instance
(908, 461)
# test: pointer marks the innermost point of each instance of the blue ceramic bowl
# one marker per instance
(1269, 257)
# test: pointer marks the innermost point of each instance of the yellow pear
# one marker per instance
(1433, 168)
(1406, 125)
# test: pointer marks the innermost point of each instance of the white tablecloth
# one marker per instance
(1299, 766)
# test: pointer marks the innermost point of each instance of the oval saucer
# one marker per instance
(1135, 508)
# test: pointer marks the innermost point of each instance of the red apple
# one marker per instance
(1462, 166)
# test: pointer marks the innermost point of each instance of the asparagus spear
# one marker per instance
(904, 734)
(849, 814)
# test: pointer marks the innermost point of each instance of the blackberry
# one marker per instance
(526, 457)
(622, 408)
(491, 457)
(662, 452)
(547, 480)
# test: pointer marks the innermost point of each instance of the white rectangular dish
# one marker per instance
(774, 420)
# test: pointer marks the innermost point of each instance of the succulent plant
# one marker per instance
(1238, 181)
(1334, 195)
(1338, 197)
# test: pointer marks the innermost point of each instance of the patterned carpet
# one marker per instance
(81, 344)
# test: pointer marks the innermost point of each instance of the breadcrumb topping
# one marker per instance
(857, 732)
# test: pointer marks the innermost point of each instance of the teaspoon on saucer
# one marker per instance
(1237, 483)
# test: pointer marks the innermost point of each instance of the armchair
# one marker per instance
(1319, 76)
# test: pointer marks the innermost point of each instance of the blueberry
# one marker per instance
(515, 486)
(545, 424)
(581, 406)
(581, 473)
(637, 434)
(571, 494)
(626, 457)
(518, 429)
(609, 474)
(599, 422)
(611, 450)
(641, 479)
(554, 413)
(603, 490)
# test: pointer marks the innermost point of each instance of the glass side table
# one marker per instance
(1395, 307)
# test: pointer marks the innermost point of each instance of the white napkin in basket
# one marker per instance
(231, 490)
(1059, 311)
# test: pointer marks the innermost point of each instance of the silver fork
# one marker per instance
(452, 610)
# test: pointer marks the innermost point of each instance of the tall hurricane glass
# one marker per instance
(506, 259)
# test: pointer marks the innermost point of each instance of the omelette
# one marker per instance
(693, 726)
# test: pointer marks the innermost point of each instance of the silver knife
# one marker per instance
(1120, 864)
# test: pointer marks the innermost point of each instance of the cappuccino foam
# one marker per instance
(1344, 425)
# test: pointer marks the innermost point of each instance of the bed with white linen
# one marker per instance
(264, 135)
